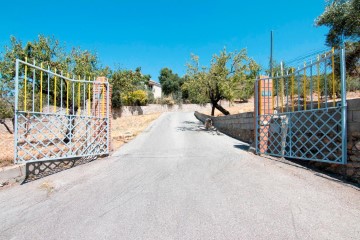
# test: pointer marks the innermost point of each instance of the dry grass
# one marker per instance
(126, 128)
(233, 108)
(6, 149)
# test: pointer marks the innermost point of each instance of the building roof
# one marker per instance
(152, 83)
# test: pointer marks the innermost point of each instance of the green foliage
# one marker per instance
(48, 52)
(135, 98)
(343, 19)
(170, 82)
(124, 83)
(229, 77)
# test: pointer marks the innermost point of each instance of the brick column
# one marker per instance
(265, 109)
(100, 106)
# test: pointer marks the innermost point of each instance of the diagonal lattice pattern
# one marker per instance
(52, 136)
(308, 135)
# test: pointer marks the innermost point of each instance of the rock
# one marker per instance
(354, 158)
(355, 134)
(350, 145)
(350, 171)
(357, 145)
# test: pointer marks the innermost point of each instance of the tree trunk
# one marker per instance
(212, 109)
(2, 121)
(221, 109)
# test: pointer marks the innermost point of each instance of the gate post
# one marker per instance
(264, 109)
(101, 108)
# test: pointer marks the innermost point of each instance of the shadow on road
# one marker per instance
(244, 147)
(41, 169)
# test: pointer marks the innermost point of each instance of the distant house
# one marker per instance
(155, 87)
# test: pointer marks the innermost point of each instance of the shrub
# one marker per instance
(135, 98)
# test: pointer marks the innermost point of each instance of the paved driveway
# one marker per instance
(177, 181)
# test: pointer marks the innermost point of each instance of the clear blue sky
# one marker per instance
(158, 33)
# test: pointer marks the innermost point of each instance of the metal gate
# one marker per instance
(58, 117)
(302, 113)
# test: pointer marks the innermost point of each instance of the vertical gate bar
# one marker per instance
(89, 98)
(41, 86)
(292, 89)
(282, 87)
(298, 89)
(267, 98)
(33, 88)
(277, 91)
(311, 86)
(73, 97)
(61, 91)
(103, 100)
(343, 103)
(16, 109)
(260, 103)
(67, 95)
(318, 80)
(79, 93)
(25, 85)
(304, 85)
(108, 116)
(84, 94)
(256, 115)
(287, 90)
(48, 87)
(55, 92)
(333, 75)
(326, 82)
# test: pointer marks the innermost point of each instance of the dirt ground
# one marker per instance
(126, 128)
(122, 131)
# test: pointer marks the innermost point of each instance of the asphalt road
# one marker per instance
(178, 181)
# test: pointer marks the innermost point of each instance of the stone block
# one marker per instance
(353, 104)
(355, 116)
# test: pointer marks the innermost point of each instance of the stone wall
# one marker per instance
(158, 108)
(239, 126)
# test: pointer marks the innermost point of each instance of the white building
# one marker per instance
(155, 87)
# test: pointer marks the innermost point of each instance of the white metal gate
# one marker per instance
(58, 117)
(302, 113)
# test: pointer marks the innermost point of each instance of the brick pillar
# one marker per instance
(265, 109)
(99, 108)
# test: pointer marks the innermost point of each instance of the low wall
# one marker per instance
(239, 126)
(158, 108)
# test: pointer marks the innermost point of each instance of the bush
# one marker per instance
(166, 101)
(135, 98)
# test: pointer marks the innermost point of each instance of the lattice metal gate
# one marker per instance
(58, 117)
(302, 113)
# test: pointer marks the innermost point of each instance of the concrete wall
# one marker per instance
(239, 126)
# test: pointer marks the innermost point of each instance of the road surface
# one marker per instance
(178, 181)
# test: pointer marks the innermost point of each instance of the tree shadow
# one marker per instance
(37, 170)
